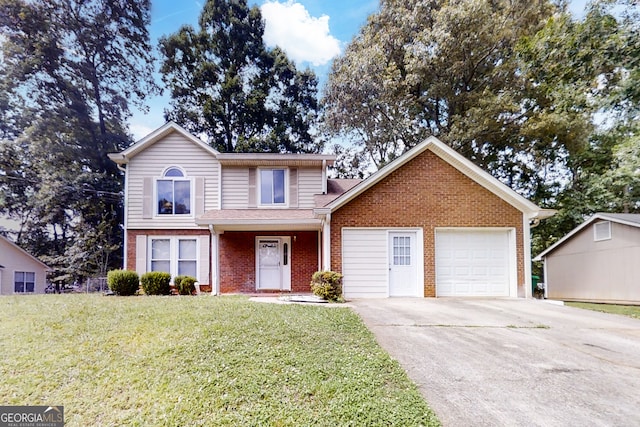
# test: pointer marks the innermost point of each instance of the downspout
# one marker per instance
(324, 177)
(526, 237)
(215, 287)
(125, 225)
(546, 282)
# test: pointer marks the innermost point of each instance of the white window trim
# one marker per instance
(181, 169)
(259, 188)
(35, 283)
(173, 253)
(185, 177)
(597, 238)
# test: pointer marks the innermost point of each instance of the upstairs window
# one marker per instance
(272, 186)
(602, 230)
(24, 282)
(174, 193)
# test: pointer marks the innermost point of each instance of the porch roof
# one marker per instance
(260, 219)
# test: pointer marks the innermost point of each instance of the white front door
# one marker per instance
(273, 263)
(402, 265)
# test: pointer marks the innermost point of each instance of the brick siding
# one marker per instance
(237, 260)
(427, 192)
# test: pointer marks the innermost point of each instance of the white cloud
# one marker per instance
(303, 37)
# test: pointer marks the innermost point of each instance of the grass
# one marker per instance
(145, 361)
(625, 310)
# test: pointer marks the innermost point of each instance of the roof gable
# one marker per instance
(457, 161)
(162, 132)
(632, 220)
(23, 252)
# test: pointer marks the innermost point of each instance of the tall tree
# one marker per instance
(225, 84)
(73, 67)
(444, 68)
(585, 73)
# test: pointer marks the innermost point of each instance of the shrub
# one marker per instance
(156, 283)
(327, 284)
(123, 282)
(185, 284)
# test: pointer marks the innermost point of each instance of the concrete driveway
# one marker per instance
(513, 362)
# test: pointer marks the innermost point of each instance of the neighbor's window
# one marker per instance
(272, 186)
(174, 193)
(24, 281)
(602, 230)
(174, 255)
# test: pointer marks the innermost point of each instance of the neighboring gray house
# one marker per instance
(20, 272)
(598, 261)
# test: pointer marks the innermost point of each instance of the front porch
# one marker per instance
(267, 261)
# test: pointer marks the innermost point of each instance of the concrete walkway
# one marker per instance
(513, 362)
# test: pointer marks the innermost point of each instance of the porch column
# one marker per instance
(326, 243)
(215, 286)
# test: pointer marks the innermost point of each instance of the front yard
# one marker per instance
(199, 361)
(625, 310)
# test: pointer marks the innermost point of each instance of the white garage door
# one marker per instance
(364, 263)
(473, 262)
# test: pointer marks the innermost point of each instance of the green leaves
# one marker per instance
(225, 84)
(434, 68)
(70, 71)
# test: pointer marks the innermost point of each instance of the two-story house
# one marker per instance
(428, 224)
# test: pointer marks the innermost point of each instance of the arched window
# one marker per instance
(173, 171)
(173, 193)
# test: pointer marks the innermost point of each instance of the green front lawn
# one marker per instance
(625, 310)
(181, 361)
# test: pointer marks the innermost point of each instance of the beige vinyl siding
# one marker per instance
(12, 259)
(587, 270)
(174, 150)
(365, 263)
(309, 184)
(235, 188)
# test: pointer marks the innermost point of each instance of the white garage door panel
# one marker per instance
(364, 263)
(472, 262)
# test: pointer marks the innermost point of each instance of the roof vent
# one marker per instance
(602, 231)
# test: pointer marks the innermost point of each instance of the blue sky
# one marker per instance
(312, 32)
